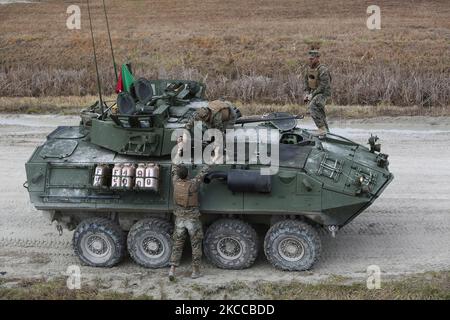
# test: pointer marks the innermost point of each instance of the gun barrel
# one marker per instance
(243, 121)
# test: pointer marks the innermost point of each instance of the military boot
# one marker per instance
(322, 132)
(172, 273)
(196, 272)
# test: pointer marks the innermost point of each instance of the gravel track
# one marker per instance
(406, 231)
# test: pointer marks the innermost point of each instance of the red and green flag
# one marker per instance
(125, 79)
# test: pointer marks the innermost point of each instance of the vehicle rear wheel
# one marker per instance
(99, 242)
(292, 245)
(231, 244)
(150, 242)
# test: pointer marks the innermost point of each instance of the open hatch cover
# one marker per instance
(283, 124)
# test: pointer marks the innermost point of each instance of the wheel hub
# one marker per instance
(97, 246)
(291, 249)
(229, 248)
(153, 247)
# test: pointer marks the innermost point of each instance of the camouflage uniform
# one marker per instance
(222, 116)
(320, 90)
(187, 220)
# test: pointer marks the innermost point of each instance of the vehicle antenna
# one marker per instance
(110, 41)
(95, 58)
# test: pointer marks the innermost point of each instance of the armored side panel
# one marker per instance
(103, 169)
(61, 176)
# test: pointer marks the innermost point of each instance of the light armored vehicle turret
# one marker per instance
(109, 180)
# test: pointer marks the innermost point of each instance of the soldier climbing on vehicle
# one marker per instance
(217, 114)
(187, 213)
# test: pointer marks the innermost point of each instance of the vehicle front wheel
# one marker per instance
(99, 242)
(292, 245)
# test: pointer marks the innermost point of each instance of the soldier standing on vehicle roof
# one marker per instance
(217, 114)
(187, 214)
(317, 91)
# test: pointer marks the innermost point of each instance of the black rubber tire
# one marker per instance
(296, 231)
(239, 231)
(161, 231)
(112, 235)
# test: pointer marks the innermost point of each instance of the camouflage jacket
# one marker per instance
(216, 122)
(191, 212)
(324, 82)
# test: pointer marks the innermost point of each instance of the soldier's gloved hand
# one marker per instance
(185, 137)
(218, 155)
(181, 140)
(307, 97)
(180, 144)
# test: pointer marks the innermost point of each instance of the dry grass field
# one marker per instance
(426, 286)
(248, 51)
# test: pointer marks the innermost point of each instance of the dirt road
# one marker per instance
(406, 231)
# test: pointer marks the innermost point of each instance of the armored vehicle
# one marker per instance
(108, 179)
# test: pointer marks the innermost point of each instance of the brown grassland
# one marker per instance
(249, 51)
(430, 285)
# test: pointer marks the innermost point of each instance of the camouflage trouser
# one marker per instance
(183, 226)
(317, 110)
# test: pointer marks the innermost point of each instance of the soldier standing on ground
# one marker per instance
(317, 91)
(187, 215)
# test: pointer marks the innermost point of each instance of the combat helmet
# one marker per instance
(314, 50)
